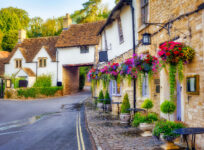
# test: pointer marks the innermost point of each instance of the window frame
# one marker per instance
(42, 62)
(115, 88)
(84, 49)
(120, 30)
(144, 6)
(18, 63)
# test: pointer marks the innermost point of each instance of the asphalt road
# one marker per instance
(54, 124)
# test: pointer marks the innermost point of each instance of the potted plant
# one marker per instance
(168, 107)
(100, 100)
(164, 130)
(148, 125)
(107, 101)
(125, 112)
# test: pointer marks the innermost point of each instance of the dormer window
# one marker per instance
(84, 49)
(42, 62)
(18, 63)
(120, 30)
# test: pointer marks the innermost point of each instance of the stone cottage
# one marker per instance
(185, 20)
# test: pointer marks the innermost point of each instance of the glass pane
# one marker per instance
(118, 88)
(192, 84)
(45, 62)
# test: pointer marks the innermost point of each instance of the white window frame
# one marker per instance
(114, 88)
(145, 86)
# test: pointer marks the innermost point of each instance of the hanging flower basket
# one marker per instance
(176, 55)
(113, 71)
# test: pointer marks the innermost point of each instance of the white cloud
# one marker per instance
(111, 3)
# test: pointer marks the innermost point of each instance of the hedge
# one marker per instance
(35, 91)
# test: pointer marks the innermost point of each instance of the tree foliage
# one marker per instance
(92, 11)
(9, 40)
(116, 1)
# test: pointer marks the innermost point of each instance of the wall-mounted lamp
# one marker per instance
(146, 39)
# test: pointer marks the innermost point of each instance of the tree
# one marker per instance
(35, 27)
(1, 38)
(92, 11)
(13, 19)
(9, 40)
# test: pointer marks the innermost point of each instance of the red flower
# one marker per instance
(168, 54)
(176, 52)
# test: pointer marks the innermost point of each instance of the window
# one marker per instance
(145, 86)
(42, 62)
(84, 49)
(115, 88)
(120, 31)
(18, 63)
(144, 11)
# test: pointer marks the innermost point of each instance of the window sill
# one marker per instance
(143, 98)
(116, 95)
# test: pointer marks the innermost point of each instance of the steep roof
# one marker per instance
(30, 47)
(111, 17)
(4, 54)
(80, 34)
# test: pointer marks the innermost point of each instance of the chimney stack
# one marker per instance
(67, 21)
(21, 35)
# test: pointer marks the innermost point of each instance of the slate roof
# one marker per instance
(80, 34)
(30, 47)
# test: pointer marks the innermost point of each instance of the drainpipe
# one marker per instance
(134, 48)
(57, 64)
(36, 63)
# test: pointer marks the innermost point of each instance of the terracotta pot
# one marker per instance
(124, 118)
(169, 143)
(146, 126)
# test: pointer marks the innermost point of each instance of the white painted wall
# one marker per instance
(10, 68)
(112, 35)
(72, 56)
(50, 69)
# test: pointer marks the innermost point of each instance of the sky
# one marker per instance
(48, 8)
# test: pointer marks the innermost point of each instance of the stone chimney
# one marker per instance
(67, 21)
(21, 35)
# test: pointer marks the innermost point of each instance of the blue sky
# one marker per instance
(48, 8)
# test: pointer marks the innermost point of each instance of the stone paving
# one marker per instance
(109, 134)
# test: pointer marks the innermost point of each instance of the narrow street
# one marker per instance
(52, 124)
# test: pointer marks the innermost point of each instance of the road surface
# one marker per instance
(52, 124)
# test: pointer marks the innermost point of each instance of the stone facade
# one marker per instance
(70, 80)
(187, 27)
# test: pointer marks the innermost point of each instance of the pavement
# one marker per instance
(109, 134)
(51, 124)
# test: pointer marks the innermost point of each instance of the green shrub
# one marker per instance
(81, 81)
(166, 128)
(49, 91)
(43, 81)
(15, 81)
(168, 107)
(144, 118)
(107, 98)
(8, 94)
(35, 91)
(101, 97)
(125, 104)
(147, 104)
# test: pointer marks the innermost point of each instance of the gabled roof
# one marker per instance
(80, 34)
(111, 17)
(4, 54)
(30, 47)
